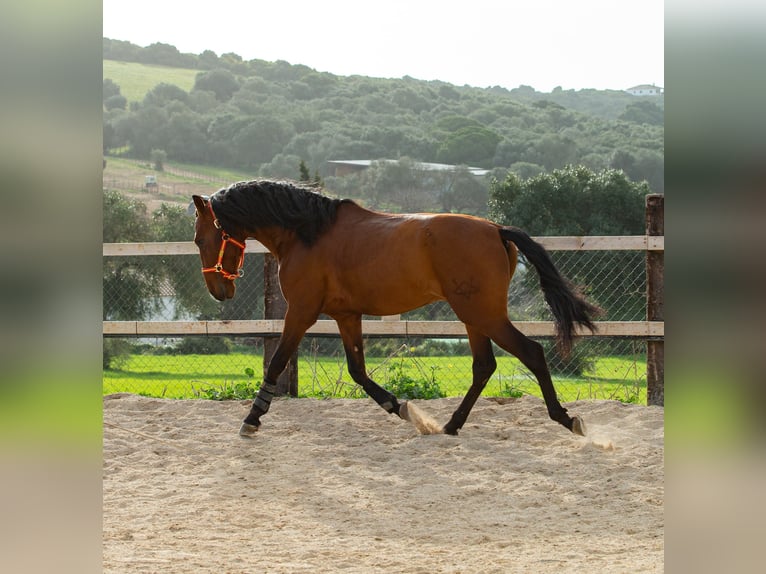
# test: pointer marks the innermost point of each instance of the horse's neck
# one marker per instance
(277, 240)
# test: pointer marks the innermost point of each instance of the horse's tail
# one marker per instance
(566, 303)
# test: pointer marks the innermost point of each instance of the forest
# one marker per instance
(268, 117)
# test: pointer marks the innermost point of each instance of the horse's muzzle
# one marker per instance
(222, 290)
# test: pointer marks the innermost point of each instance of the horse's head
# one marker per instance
(222, 256)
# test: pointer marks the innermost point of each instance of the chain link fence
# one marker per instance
(171, 288)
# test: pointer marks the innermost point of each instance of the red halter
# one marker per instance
(218, 267)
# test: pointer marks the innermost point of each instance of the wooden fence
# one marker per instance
(652, 329)
(392, 326)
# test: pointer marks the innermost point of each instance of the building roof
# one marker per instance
(423, 165)
(644, 87)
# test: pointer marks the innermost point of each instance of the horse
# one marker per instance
(341, 259)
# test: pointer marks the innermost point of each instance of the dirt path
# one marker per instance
(338, 485)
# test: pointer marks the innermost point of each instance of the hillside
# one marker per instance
(264, 118)
(136, 80)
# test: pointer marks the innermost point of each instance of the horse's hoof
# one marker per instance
(578, 426)
(247, 430)
(404, 411)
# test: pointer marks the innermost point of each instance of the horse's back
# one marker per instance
(391, 263)
(413, 241)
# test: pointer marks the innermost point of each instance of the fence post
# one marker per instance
(655, 301)
(274, 307)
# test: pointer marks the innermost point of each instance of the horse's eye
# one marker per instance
(199, 241)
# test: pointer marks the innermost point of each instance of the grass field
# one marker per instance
(174, 172)
(135, 80)
(186, 376)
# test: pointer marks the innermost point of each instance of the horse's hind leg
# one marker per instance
(531, 354)
(484, 365)
(351, 334)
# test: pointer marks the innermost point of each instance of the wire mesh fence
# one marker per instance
(171, 288)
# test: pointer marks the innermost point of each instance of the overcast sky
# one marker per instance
(602, 44)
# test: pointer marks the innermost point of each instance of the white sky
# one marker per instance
(575, 44)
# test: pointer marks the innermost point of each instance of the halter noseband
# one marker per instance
(218, 267)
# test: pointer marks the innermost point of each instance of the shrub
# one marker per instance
(203, 346)
(579, 361)
(115, 352)
(403, 386)
(233, 391)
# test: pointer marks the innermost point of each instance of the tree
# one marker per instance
(570, 201)
(208, 60)
(555, 151)
(109, 89)
(164, 93)
(116, 102)
(158, 158)
(469, 145)
(145, 130)
(304, 171)
(644, 112)
(259, 140)
(129, 291)
(186, 137)
(464, 193)
(113, 99)
(578, 201)
(108, 139)
(219, 81)
(166, 55)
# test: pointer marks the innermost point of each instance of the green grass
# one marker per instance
(136, 80)
(206, 172)
(186, 376)
(175, 172)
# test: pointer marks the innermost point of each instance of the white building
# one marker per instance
(645, 90)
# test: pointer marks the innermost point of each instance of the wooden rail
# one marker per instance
(371, 328)
(571, 243)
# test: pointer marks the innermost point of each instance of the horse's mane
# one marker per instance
(247, 205)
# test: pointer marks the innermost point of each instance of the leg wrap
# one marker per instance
(265, 394)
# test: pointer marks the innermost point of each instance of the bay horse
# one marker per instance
(338, 258)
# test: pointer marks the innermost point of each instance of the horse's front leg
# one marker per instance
(351, 333)
(288, 343)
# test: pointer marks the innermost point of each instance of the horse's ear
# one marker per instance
(200, 201)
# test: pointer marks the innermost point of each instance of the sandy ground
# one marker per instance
(340, 486)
